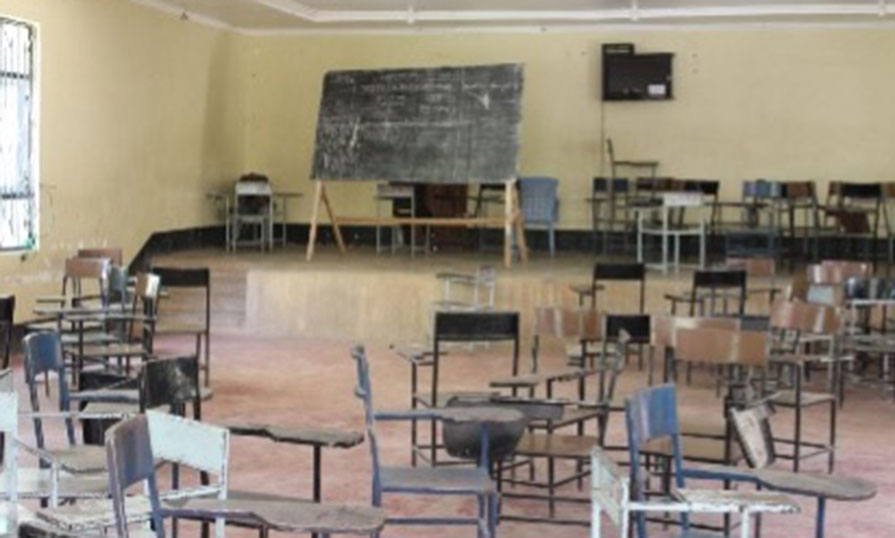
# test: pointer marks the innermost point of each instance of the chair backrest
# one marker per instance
(861, 191)
(665, 328)
(652, 414)
(538, 199)
(753, 428)
(171, 381)
(601, 185)
(760, 189)
(721, 346)
(197, 445)
(79, 270)
(145, 302)
(117, 285)
(7, 325)
(611, 492)
(800, 191)
(635, 272)
(130, 461)
(610, 150)
(189, 277)
(757, 267)
(581, 325)
(43, 355)
(114, 255)
(805, 317)
(837, 271)
(869, 288)
(364, 392)
(476, 326)
(723, 279)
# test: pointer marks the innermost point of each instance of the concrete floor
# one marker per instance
(309, 382)
(297, 380)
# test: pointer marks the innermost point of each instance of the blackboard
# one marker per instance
(441, 125)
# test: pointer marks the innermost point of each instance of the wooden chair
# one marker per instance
(649, 166)
(190, 320)
(43, 355)
(753, 428)
(138, 327)
(651, 416)
(542, 442)
(575, 329)
(738, 357)
(796, 323)
(758, 269)
(612, 272)
(712, 286)
(612, 193)
(611, 495)
(114, 255)
(455, 327)
(52, 482)
(800, 196)
(77, 276)
(480, 290)
(453, 481)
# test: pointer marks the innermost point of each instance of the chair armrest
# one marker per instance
(109, 394)
(745, 502)
(720, 472)
(415, 354)
(452, 414)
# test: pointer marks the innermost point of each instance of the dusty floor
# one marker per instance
(307, 382)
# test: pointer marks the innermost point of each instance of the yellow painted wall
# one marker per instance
(141, 113)
(783, 103)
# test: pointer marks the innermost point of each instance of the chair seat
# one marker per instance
(787, 398)
(115, 349)
(74, 339)
(837, 487)
(35, 483)
(81, 459)
(704, 427)
(113, 409)
(569, 416)
(66, 327)
(445, 397)
(556, 445)
(457, 480)
(533, 380)
(700, 449)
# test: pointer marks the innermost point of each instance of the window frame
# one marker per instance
(32, 192)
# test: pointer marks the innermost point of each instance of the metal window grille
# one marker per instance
(18, 151)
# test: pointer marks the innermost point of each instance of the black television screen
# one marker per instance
(635, 77)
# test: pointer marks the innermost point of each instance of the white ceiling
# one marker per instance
(419, 15)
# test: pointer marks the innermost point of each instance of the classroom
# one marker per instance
(413, 268)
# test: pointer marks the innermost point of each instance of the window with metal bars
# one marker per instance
(18, 147)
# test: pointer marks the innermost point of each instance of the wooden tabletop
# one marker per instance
(288, 516)
(297, 435)
(455, 414)
(840, 488)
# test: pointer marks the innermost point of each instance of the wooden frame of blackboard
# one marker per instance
(511, 222)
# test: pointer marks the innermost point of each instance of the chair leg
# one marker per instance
(551, 237)
(832, 454)
(820, 518)
(551, 475)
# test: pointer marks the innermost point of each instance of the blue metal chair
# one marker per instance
(540, 205)
(424, 480)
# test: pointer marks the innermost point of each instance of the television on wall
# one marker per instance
(628, 76)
